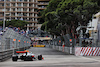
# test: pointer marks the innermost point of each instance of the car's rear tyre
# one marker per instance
(14, 58)
(39, 57)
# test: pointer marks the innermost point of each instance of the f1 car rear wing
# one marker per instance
(20, 51)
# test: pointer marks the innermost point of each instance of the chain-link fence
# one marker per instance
(12, 40)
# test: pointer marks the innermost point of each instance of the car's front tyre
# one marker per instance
(14, 58)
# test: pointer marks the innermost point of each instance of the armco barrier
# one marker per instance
(57, 47)
(60, 48)
(87, 51)
(6, 54)
(68, 50)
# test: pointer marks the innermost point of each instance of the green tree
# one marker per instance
(1, 23)
(66, 16)
(51, 7)
(15, 23)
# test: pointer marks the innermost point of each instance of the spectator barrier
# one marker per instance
(6, 54)
(68, 50)
(87, 51)
(11, 40)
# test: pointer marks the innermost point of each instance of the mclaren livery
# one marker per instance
(26, 56)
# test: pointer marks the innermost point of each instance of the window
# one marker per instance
(30, 5)
(30, 1)
(7, 14)
(7, 4)
(19, 4)
(1, 14)
(19, 14)
(19, 9)
(2, 0)
(25, 0)
(13, 14)
(19, 0)
(7, 0)
(0, 9)
(25, 9)
(1, 4)
(13, 4)
(30, 14)
(24, 14)
(8, 9)
(13, 0)
(13, 9)
(24, 4)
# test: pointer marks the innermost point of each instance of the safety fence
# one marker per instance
(11, 41)
(64, 44)
(6, 54)
(68, 50)
(70, 46)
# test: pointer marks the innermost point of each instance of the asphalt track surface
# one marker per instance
(54, 58)
(46, 51)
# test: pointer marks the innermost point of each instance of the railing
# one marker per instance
(4, 55)
(11, 41)
(63, 45)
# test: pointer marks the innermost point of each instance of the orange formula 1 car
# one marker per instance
(26, 56)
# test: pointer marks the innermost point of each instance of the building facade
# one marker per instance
(42, 4)
(20, 9)
(26, 10)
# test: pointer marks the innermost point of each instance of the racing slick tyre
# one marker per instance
(39, 57)
(22, 57)
(14, 58)
(28, 58)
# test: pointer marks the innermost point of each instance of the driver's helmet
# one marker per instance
(26, 50)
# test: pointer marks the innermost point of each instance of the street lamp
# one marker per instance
(4, 14)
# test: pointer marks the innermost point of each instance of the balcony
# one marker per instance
(1, 1)
(13, 0)
(43, 3)
(1, 6)
(1, 15)
(21, 12)
(20, 0)
(23, 2)
(43, 0)
(32, 21)
(41, 8)
(31, 26)
(12, 15)
(25, 5)
(23, 16)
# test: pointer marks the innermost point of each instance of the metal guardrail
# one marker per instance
(64, 44)
(12, 41)
(68, 50)
(6, 54)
